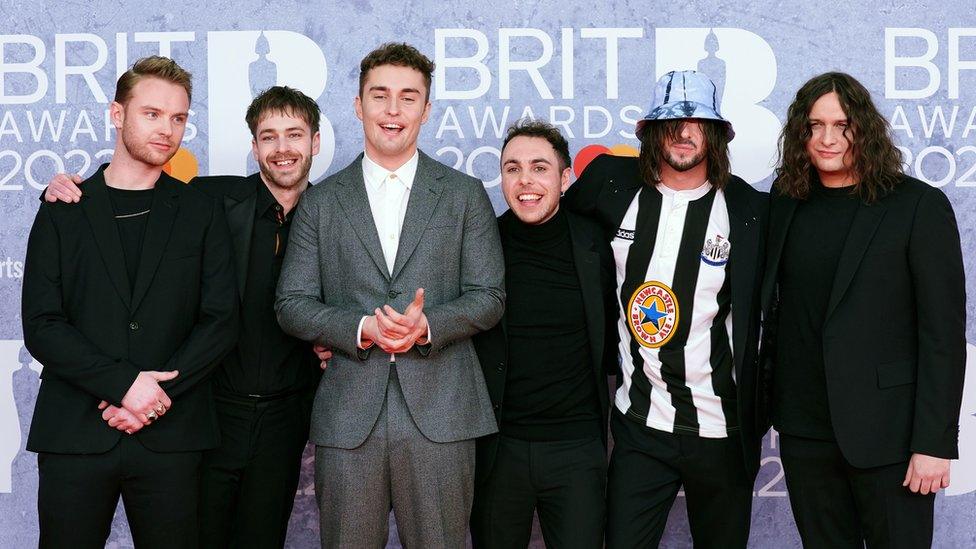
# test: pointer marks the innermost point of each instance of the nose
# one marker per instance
(280, 144)
(392, 106)
(831, 134)
(166, 128)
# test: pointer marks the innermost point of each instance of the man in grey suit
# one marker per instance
(395, 262)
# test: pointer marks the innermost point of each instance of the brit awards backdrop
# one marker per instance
(587, 67)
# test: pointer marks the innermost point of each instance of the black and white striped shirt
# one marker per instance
(672, 252)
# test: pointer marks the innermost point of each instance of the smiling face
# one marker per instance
(687, 149)
(152, 121)
(392, 105)
(829, 146)
(532, 180)
(284, 146)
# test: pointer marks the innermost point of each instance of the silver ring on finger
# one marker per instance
(152, 415)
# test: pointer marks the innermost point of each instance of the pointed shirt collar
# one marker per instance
(374, 174)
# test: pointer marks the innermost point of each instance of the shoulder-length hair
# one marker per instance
(656, 133)
(876, 162)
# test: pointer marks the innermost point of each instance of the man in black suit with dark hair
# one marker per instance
(865, 319)
(688, 238)
(129, 303)
(263, 391)
(546, 362)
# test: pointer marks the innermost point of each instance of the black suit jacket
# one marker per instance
(594, 268)
(894, 341)
(237, 196)
(94, 331)
(605, 190)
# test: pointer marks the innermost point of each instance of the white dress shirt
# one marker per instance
(388, 193)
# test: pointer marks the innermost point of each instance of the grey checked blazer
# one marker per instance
(334, 274)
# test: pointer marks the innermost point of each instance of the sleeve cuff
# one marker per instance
(359, 336)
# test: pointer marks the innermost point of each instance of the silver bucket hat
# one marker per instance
(684, 94)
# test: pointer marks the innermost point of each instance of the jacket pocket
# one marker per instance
(893, 374)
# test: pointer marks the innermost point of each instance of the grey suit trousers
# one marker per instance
(427, 484)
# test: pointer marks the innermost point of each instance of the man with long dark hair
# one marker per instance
(865, 298)
(687, 239)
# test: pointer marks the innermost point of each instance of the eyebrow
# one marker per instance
(291, 129)
(387, 89)
(157, 109)
(533, 161)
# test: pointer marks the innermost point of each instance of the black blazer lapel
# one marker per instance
(165, 204)
(352, 198)
(587, 263)
(98, 209)
(865, 223)
(424, 195)
(744, 233)
(622, 191)
(781, 213)
(240, 218)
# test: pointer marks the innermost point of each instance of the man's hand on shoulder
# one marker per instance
(63, 187)
(926, 474)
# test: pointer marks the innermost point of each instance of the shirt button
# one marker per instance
(133, 325)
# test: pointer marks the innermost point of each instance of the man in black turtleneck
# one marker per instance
(545, 363)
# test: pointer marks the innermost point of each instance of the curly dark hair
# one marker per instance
(398, 54)
(282, 100)
(540, 128)
(656, 133)
(876, 162)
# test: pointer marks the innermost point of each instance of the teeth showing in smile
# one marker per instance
(527, 196)
(283, 163)
(392, 126)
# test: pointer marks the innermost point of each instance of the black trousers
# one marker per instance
(564, 480)
(837, 505)
(77, 496)
(249, 483)
(648, 467)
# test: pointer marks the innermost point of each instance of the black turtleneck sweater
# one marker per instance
(550, 391)
(813, 246)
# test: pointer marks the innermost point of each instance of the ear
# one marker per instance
(117, 113)
(564, 179)
(423, 119)
(358, 104)
(254, 149)
(316, 141)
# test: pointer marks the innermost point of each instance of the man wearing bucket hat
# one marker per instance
(687, 238)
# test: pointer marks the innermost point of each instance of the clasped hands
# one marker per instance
(143, 403)
(394, 332)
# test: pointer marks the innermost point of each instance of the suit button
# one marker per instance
(501, 366)
(496, 407)
(133, 325)
(392, 294)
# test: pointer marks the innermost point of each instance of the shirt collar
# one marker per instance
(375, 174)
(266, 201)
(687, 195)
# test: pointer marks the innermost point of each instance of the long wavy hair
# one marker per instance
(876, 162)
(656, 133)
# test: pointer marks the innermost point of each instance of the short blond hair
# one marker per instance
(154, 66)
